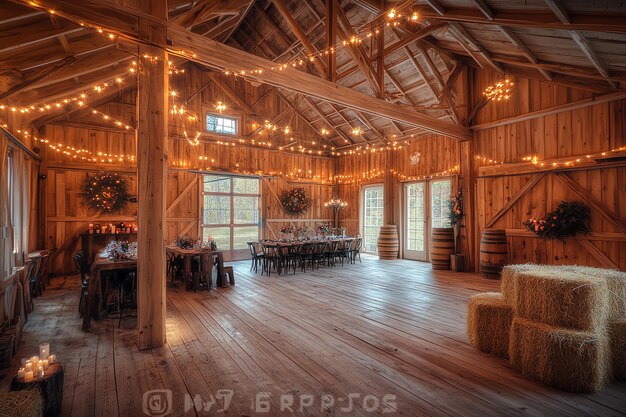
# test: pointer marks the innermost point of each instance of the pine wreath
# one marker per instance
(106, 192)
(295, 201)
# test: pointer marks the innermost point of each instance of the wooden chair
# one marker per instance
(80, 260)
(355, 250)
(255, 256)
(127, 291)
(204, 272)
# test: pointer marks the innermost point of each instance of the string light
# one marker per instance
(500, 91)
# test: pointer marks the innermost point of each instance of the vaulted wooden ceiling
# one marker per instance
(573, 42)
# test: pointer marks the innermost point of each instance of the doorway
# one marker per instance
(426, 205)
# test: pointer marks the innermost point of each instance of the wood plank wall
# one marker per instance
(66, 216)
(574, 133)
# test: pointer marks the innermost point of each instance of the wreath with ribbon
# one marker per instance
(105, 192)
(295, 201)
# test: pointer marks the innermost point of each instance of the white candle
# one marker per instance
(34, 359)
(40, 372)
(28, 376)
(44, 350)
(52, 359)
(20, 373)
(45, 363)
(28, 366)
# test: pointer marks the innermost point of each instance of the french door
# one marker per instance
(426, 205)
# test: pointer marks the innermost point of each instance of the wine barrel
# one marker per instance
(493, 253)
(388, 244)
(441, 247)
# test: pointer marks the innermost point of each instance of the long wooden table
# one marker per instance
(93, 300)
(188, 254)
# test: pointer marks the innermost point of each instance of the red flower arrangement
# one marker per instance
(568, 219)
(295, 201)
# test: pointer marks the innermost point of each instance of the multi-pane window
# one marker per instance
(230, 210)
(220, 124)
(440, 192)
(373, 216)
(415, 212)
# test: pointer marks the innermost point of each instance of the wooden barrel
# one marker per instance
(441, 247)
(388, 244)
(493, 253)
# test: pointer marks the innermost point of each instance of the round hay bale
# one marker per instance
(567, 359)
(21, 404)
(562, 298)
(489, 323)
(616, 281)
(617, 331)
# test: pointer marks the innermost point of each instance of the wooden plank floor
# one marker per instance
(389, 333)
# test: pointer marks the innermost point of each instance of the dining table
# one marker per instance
(282, 246)
(93, 301)
(217, 257)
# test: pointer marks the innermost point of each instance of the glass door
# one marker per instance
(440, 192)
(373, 206)
(416, 222)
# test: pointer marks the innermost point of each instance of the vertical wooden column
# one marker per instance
(380, 62)
(152, 108)
(331, 37)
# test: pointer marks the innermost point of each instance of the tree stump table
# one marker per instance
(50, 387)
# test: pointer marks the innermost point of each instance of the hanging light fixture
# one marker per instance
(500, 91)
(336, 203)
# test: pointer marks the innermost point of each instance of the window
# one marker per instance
(231, 212)
(373, 216)
(221, 124)
(440, 192)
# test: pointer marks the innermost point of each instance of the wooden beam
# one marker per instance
(380, 60)
(152, 105)
(559, 10)
(584, 46)
(33, 79)
(520, 193)
(468, 41)
(436, 6)
(317, 110)
(331, 38)
(122, 20)
(300, 35)
(31, 34)
(552, 110)
(515, 40)
(606, 21)
(358, 54)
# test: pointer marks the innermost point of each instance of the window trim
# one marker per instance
(236, 118)
(231, 196)
(362, 210)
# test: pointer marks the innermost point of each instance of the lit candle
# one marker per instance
(20, 373)
(44, 350)
(52, 359)
(34, 359)
(28, 366)
(40, 372)
(28, 376)
(45, 363)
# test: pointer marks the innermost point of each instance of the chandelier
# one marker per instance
(336, 203)
(499, 91)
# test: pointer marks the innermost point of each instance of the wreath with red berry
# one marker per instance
(295, 201)
(105, 192)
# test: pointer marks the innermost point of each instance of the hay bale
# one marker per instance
(617, 331)
(567, 359)
(489, 323)
(562, 298)
(21, 404)
(507, 279)
(616, 281)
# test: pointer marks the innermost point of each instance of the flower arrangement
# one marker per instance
(456, 208)
(185, 242)
(121, 250)
(106, 192)
(323, 228)
(568, 219)
(295, 201)
(286, 230)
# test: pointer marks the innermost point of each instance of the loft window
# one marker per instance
(220, 124)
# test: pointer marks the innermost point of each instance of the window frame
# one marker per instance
(363, 210)
(235, 118)
(231, 194)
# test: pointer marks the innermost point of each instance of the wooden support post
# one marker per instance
(331, 37)
(391, 212)
(152, 105)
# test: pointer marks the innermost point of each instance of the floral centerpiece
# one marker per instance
(568, 219)
(185, 242)
(121, 250)
(323, 229)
